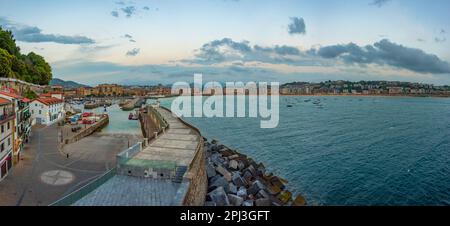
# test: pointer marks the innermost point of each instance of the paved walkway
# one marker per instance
(46, 174)
(177, 145)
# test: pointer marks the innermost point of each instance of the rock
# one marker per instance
(217, 159)
(263, 194)
(219, 197)
(210, 203)
(285, 196)
(232, 188)
(224, 172)
(235, 200)
(277, 182)
(299, 201)
(263, 202)
(248, 176)
(242, 192)
(251, 169)
(237, 180)
(247, 203)
(210, 171)
(226, 152)
(256, 187)
(273, 190)
(241, 165)
(261, 169)
(233, 164)
(220, 182)
(235, 156)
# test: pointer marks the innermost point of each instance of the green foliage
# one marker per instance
(5, 64)
(30, 68)
(30, 94)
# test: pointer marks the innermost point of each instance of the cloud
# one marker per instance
(297, 26)
(129, 11)
(133, 52)
(382, 53)
(386, 52)
(27, 33)
(115, 14)
(128, 36)
(379, 3)
(439, 40)
(146, 8)
(132, 40)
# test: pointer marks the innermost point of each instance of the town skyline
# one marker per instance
(134, 42)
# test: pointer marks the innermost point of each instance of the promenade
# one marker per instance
(165, 160)
(46, 174)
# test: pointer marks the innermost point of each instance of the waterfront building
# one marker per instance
(109, 90)
(6, 136)
(47, 110)
(53, 94)
(22, 121)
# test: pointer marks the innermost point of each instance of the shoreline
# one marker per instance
(367, 95)
(234, 179)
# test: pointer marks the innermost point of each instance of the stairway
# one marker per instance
(179, 173)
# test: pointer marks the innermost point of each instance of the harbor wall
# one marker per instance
(88, 131)
(195, 182)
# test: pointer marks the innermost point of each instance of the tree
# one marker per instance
(8, 43)
(30, 94)
(5, 64)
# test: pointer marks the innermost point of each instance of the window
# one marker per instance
(2, 147)
(8, 126)
(9, 141)
(32, 111)
(40, 112)
(3, 128)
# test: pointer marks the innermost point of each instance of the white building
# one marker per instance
(46, 111)
(7, 116)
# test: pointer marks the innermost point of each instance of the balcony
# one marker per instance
(7, 116)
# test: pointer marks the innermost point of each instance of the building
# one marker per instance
(6, 136)
(47, 110)
(54, 94)
(108, 90)
(22, 121)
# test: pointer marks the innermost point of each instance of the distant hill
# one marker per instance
(66, 84)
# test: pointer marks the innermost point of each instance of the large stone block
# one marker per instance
(232, 188)
(224, 172)
(238, 180)
(299, 201)
(263, 202)
(242, 192)
(248, 203)
(235, 200)
(233, 164)
(285, 196)
(219, 197)
(256, 187)
(220, 182)
(210, 171)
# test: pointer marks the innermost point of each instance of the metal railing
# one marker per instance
(124, 156)
(85, 190)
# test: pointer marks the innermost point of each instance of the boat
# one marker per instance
(289, 105)
(132, 116)
(308, 100)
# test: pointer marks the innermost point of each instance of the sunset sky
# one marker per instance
(149, 42)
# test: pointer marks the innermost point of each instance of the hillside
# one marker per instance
(66, 84)
(13, 64)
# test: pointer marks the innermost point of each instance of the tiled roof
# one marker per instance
(10, 94)
(48, 100)
(4, 101)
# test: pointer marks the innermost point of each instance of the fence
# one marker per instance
(83, 191)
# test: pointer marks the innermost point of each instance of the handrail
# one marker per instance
(78, 194)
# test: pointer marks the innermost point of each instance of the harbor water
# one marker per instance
(350, 150)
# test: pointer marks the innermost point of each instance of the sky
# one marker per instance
(145, 42)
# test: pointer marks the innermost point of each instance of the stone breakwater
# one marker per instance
(236, 180)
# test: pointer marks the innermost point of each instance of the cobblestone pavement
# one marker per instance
(46, 174)
(131, 191)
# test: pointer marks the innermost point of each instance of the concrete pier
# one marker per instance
(170, 170)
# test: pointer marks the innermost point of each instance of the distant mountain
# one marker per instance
(66, 84)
